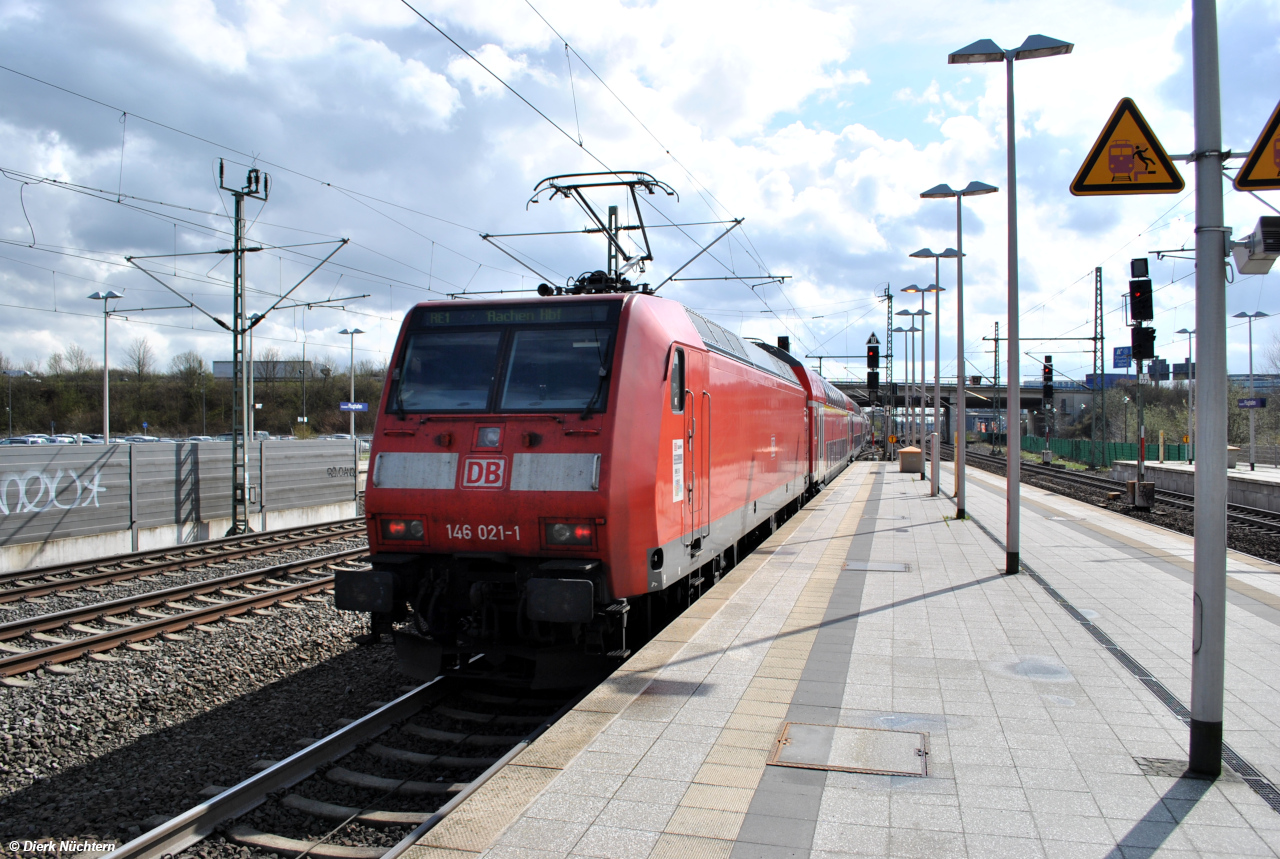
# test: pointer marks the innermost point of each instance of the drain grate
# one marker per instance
(857, 750)
(876, 567)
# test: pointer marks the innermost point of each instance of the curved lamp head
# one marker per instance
(949, 253)
(103, 296)
(924, 253)
(974, 189)
(1041, 46)
(913, 289)
(981, 51)
(933, 287)
(937, 192)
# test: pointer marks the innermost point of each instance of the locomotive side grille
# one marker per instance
(415, 470)
(555, 472)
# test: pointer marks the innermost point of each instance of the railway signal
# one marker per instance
(1047, 377)
(1144, 343)
(1141, 306)
(873, 353)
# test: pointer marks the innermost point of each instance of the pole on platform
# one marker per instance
(1209, 616)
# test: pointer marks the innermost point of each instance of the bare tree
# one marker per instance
(270, 367)
(141, 357)
(1272, 354)
(55, 365)
(189, 366)
(78, 359)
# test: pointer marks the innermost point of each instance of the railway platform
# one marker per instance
(869, 682)
(1259, 488)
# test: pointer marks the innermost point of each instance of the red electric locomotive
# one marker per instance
(546, 472)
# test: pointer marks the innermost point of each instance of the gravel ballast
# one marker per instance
(99, 754)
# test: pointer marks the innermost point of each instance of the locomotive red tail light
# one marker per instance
(402, 529)
(570, 533)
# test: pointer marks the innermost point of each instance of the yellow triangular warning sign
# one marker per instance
(1261, 170)
(1127, 159)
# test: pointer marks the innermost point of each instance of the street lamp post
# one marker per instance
(355, 442)
(1251, 316)
(973, 189)
(935, 476)
(104, 297)
(909, 351)
(915, 290)
(987, 51)
(898, 329)
(926, 253)
(1190, 396)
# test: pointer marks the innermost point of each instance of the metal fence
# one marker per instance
(51, 492)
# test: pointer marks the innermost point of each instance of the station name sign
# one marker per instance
(1251, 403)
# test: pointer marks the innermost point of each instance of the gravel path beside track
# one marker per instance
(97, 754)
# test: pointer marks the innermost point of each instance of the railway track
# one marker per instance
(1238, 515)
(406, 766)
(48, 641)
(40, 581)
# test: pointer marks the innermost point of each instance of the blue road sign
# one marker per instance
(1121, 357)
(1252, 403)
(353, 407)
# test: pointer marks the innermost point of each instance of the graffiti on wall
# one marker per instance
(37, 491)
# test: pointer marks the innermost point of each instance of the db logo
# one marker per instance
(483, 472)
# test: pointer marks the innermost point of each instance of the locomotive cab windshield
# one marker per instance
(507, 359)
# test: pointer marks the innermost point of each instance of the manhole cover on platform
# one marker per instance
(876, 567)
(858, 750)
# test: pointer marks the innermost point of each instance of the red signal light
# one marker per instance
(402, 529)
(569, 533)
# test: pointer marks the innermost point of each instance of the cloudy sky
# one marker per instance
(817, 122)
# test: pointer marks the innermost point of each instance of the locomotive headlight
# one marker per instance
(489, 437)
(569, 534)
(402, 529)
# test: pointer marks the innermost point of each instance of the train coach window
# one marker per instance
(448, 371)
(677, 380)
(558, 368)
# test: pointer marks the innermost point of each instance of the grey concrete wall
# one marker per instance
(68, 502)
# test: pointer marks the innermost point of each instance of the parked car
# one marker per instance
(140, 439)
(22, 440)
(203, 438)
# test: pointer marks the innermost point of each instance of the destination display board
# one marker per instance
(521, 314)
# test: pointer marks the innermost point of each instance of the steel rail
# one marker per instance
(56, 653)
(80, 580)
(197, 823)
(18, 628)
(153, 562)
(1239, 514)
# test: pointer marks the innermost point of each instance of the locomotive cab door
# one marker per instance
(698, 449)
